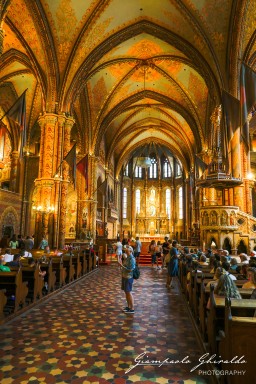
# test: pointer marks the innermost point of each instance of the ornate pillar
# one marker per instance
(236, 167)
(45, 183)
(92, 171)
(14, 171)
(118, 200)
(82, 204)
(69, 122)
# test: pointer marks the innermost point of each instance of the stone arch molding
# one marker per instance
(10, 217)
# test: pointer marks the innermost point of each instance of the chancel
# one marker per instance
(129, 121)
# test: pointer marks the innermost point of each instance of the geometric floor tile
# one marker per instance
(81, 335)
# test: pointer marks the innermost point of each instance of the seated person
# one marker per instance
(225, 253)
(8, 256)
(203, 260)
(251, 272)
(3, 268)
(225, 265)
(196, 267)
(25, 254)
(233, 264)
(216, 264)
(218, 273)
(32, 264)
(227, 288)
(15, 262)
(244, 258)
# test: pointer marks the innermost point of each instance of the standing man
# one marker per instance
(137, 250)
(128, 266)
(166, 250)
(119, 250)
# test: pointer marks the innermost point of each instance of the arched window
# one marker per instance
(126, 170)
(153, 169)
(138, 172)
(125, 203)
(166, 169)
(168, 202)
(178, 169)
(180, 195)
(137, 199)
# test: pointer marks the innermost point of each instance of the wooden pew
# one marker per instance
(87, 253)
(60, 270)
(3, 301)
(215, 319)
(238, 339)
(83, 262)
(50, 277)
(67, 263)
(35, 281)
(76, 263)
(16, 289)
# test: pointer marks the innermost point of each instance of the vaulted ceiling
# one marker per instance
(129, 72)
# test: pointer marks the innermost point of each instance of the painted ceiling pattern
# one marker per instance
(129, 71)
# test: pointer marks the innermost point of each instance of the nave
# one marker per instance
(81, 335)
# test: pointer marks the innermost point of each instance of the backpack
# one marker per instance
(136, 273)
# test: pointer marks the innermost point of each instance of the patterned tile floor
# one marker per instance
(80, 335)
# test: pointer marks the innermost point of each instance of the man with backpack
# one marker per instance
(127, 267)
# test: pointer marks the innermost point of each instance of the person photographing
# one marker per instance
(127, 267)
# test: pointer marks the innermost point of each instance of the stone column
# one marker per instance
(92, 201)
(82, 204)
(45, 183)
(69, 122)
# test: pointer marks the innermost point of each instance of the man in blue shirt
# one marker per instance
(128, 266)
(137, 249)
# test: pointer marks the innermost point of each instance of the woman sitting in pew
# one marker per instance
(251, 273)
(226, 288)
(218, 273)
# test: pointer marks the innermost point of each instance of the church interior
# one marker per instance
(121, 120)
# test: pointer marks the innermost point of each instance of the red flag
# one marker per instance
(18, 113)
(82, 167)
(3, 131)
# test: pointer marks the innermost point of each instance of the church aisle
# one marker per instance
(81, 335)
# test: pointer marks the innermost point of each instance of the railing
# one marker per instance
(219, 217)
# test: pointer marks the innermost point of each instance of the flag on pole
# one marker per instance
(70, 159)
(18, 113)
(231, 109)
(82, 167)
(247, 99)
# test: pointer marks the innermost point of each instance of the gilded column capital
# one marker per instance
(49, 118)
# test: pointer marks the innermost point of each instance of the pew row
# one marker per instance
(16, 289)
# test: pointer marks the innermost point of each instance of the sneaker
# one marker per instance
(130, 311)
(125, 309)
